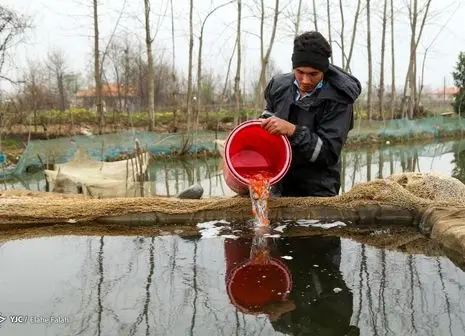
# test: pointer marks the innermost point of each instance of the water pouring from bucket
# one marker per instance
(259, 189)
(254, 161)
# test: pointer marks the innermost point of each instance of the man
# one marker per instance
(313, 107)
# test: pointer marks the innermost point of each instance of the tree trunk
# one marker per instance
(173, 46)
(119, 96)
(199, 79)
(406, 93)
(297, 19)
(228, 71)
(383, 52)
(422, 78)
(328, 13)
(237, 78)
(265, 57)
(126, 81)
(410, 80)
(413, 87)
(61, 92)
(97, 74)
(343, 51)
(354, 33)
(150, 79)
(140, 79)
(118, 106)
(393, 64)
(425, 12)
(173, 85)
(259, 89)
(199, 65)
(189, 76)
(412, 65)
(34, 100)
(370, 63)
(315, 17)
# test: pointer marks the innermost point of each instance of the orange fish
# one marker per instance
(259, 187)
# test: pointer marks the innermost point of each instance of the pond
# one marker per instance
(203, 284)
(171, 285)
(169, 177)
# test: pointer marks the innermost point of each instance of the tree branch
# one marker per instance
(12, 81)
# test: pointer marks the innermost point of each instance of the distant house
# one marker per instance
(446, 93)
(114, 96)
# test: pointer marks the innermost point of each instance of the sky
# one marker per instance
(66, 25)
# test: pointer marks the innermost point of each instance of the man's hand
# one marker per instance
(275, 125)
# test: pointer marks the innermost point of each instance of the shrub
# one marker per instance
(459, 102)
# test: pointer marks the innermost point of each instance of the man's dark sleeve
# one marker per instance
(325, 144)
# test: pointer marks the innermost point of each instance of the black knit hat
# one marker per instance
(311, 49)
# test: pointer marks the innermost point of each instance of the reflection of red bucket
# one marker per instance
(249, 150)
(251, 286)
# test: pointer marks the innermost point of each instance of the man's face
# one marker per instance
(307, 77)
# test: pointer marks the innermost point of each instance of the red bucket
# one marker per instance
(251, 150)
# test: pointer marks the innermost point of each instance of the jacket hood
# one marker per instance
(342, 86)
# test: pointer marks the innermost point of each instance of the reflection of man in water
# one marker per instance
(319, 302)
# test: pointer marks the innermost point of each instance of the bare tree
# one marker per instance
(113, 61)
(56, 64)
(237, 78)
(383, 52)
(199, 60)
(265, 56)
(328, 13)
(150, 37)
(12, 28)
(354, 34)
(422, 77)
(127, 75)
(151, 84)
(189, 75)
(36, 95)
(315, 22)
(427, 48)
(297, 20)
(370, 63)
(120, 61)
(99, 60)
(417, 18)
(393, 63)
(343, 53)
(97, 73)
(173, 46)
(228, 70)
(295, 17)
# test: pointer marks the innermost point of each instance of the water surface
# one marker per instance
(171, 285)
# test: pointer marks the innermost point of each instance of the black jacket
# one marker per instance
(323, 121)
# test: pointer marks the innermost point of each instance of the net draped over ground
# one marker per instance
(111, 146)
(407, 190)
